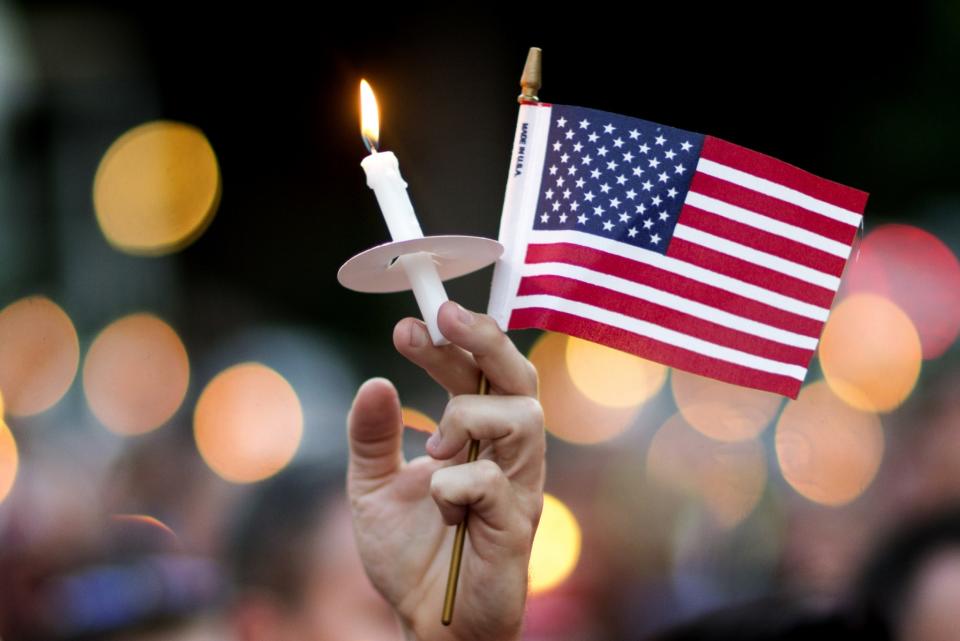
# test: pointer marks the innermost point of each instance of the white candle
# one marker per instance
(383, 177)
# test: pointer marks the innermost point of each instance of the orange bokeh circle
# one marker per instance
(136, 374)
(248, 423)
(39, 355)
(828, 451)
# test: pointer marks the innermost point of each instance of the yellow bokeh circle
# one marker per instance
(157, 188)
(248, 423)
(568, 413)
(870, 353)
(610, 377)
(9, 460)
(556, 546)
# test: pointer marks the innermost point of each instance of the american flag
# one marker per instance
(674, 246)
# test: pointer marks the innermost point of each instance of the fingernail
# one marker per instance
(434, 441)
(467, 318)
(418, 335)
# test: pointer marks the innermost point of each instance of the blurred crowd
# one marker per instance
(160, 547)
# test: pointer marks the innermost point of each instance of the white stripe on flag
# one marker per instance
(681, 268)
(757, 257)
(672, 301)
(519, 206)
(759, 221)
(661, 334)
(777, 190)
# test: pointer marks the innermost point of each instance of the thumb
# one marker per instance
(375, 434)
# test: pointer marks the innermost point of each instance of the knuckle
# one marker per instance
(496, 340)
(436, 484)
(529, 416)
(488, 473)
(526, 531)
(533, 411)
(533, 378)
(455, 412)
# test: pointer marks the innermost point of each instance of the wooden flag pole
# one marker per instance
(530, 85)
(461, 534)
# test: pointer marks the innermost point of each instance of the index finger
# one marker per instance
(507, 370)
(477, 345)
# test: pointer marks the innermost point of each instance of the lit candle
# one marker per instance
(383, 177)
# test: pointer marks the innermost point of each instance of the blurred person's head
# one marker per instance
(911, 588)
(133, 587)
(295, 566)
(76, 566)
(162, 475)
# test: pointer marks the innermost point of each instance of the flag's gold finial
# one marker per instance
(531, 79)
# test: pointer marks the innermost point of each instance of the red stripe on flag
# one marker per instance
(654, 350)
(762, 240)
(688, 288)
(664, 317)
(773, 208)
(763, 166)
(749, 272)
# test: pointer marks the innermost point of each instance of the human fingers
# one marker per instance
(512, 424)
(508, 371)
(476, 339)
(449, 365)
(375, 432)
(483, 488)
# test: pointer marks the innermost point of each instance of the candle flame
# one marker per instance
(369, 117)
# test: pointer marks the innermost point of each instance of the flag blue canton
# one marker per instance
(616, 177)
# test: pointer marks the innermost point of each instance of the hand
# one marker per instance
(404, 542)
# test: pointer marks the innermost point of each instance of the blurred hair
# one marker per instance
(273, 529)
(881, 595)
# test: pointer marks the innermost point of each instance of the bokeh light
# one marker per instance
(417, 420)
(568, 413)
(39, 355)
(248, 423)
(157, 188)
(145, 520)
(610, 377)
(720, 410)
(9, 460)
(556, 546)
(319, 367)
(919, 273)
(828, 451)
(136, 374)
(870, 353)
(727, 478)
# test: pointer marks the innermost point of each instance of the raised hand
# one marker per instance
(404, 539)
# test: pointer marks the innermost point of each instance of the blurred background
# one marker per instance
(179, 183)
